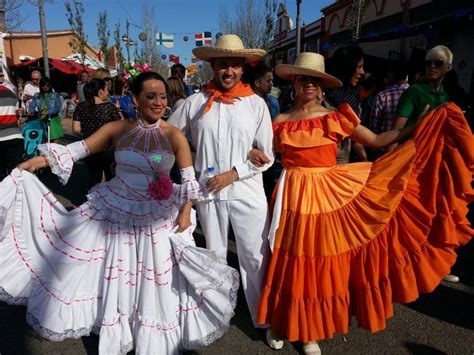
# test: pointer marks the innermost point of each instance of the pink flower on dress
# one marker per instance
(161, 187)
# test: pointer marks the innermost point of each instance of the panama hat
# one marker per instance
(308, 64)
(229, 46)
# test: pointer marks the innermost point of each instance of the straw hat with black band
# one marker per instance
(229, 46)
(308, 64)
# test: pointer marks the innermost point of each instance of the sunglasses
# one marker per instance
(107, 79)
(2, 75)
(436, 63)
(308, 79)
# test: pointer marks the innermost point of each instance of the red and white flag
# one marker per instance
(174, 58)
(203, 39)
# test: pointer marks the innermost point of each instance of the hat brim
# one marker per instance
(288, 71)
(207, 53)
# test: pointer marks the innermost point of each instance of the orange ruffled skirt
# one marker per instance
(353, 239)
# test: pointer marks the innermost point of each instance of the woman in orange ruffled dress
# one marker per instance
(350, 240)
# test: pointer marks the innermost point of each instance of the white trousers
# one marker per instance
(249, 221)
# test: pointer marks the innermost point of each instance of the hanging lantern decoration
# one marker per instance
(163, 56)
(185, 38)
(218, 34)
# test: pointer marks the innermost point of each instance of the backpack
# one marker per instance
(34, 132)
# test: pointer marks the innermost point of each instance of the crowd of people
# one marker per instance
(333, 236)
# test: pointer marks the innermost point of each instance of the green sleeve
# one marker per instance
(407, 103)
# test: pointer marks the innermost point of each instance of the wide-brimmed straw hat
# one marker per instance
(308, 64)
(229, 46)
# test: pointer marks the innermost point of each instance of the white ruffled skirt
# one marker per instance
(139, 287)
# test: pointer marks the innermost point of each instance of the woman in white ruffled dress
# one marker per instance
(123, 264)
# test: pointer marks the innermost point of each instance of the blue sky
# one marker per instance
(179, 17)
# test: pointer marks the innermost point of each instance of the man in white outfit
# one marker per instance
(226, 120)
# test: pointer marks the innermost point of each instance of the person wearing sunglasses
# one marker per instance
(46, 105)
(438, 62)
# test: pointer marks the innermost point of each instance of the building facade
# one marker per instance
(391, 30)
(21, 46)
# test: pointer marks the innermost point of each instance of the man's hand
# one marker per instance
(258, 158)
(218, 182)
(422, 115)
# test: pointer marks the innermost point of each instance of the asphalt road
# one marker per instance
(438, 323)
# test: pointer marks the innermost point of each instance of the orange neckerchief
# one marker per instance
(239, 90)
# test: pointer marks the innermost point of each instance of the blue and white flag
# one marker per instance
(165, 40)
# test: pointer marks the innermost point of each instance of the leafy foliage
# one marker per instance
(253, 22)
(356, 14)
(149, 53)
(74, 18)
(118, 43)
(103, 34)
(14, 17)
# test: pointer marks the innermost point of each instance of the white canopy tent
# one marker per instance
(90, 62)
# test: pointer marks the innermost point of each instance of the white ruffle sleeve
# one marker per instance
(189, 190)
(61, 158)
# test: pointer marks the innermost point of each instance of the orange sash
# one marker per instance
(239, 90)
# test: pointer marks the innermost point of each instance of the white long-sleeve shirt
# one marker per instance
(223, 137)
(28, 92)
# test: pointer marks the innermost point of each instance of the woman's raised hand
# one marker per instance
(183, 221)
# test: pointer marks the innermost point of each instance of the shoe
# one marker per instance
(311, 348)
(451, 278)
(274, 341)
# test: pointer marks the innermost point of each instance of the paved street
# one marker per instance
(438, 323)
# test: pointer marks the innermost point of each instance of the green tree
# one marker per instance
(74, 18)
(103, 34)
(270, 11)
(118, 43)
(356, 14)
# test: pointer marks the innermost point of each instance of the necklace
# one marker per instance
(142, 124)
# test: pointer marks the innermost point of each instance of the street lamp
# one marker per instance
(128, 42)
(298, 26)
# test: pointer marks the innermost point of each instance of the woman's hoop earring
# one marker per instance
(168, 112)
(292, 94)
